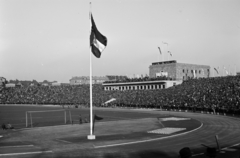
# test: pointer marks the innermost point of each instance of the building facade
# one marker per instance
(178, 71)
(79, 80)
(146, 85)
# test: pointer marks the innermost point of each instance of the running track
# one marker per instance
(227, 129)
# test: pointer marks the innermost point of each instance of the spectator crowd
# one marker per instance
(218, 94)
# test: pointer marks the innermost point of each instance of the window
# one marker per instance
(183, 70)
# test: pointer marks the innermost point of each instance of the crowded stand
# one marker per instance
(142, 79)
(217, 95)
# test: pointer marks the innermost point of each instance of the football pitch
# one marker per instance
(120, 133)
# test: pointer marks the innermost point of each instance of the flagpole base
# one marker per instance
(91, 137)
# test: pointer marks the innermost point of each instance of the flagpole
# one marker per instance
(91, 136)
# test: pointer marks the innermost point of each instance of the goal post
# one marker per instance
(53, 115)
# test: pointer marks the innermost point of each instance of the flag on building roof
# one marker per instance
(160, 50)
(170, 53)
(165, 43)
(98, 42)
(216, 70)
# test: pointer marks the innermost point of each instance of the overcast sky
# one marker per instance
(49, 39)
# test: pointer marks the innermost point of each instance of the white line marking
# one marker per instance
(149, 140)
(17, 146)
(35, 152)
(221, 149)
(231, 146)
(63, 141)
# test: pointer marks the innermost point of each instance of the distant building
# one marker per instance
(79, 80)
(178, 71)
(143, 85)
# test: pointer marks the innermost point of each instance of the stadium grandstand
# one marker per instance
(215, 94)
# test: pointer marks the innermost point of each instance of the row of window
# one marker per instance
(139, 87)
(196, 71)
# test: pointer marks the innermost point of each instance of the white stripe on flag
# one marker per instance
(99, 45)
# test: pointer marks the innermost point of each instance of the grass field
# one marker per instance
(118, 130)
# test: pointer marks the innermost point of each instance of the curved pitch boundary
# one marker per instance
(149, 140)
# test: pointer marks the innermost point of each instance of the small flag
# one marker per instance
(98, 42)
(165, 43)
(216, 70)
(170, 53)
(160, 50)
(95, 118)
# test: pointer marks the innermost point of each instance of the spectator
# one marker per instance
(80, 119)
(185, 153)
(9, 126)
(4, 126)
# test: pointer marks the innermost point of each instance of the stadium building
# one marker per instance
(178, 71)
(163, 75)
(79, 80)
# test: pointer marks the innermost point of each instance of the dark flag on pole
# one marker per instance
(160, 50)
(98, 42)
(216, 70)
(96, 118)
(170, 53)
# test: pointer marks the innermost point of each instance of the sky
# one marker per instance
(49, 39)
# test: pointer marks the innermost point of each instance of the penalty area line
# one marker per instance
(63, 141)
(26, 153)
(16, 146)
(149, 140)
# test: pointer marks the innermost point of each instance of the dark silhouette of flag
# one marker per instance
(170, 53)
(96, 118)
(216, 70)
(98, 42)
(160, 50)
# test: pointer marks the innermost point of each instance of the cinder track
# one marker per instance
(227, 129)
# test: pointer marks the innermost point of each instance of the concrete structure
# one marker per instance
(78, 80)
(146, 85)
(178, 71)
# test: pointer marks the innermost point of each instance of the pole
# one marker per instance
(65, 117)
(26, 119)
(91, 136)
(31, 120)
(70, 116)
